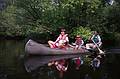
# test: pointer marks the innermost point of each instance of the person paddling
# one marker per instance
(61, 41)
(95, 41)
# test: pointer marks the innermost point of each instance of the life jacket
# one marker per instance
(96, 39)
(62, 39)
(78, 42)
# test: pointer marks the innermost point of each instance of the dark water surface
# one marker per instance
(12, 66)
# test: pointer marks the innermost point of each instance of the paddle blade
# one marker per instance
(101, 52)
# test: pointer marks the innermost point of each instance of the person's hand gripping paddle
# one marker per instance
(101, 52)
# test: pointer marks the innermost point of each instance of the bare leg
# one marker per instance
(51, 44)
(89, 45)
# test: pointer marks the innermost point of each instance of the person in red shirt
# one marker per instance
(78, 46)
(79, 42)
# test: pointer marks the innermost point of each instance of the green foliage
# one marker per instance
(51, 15)
(23, 17)
(8, 16)
(84, 32)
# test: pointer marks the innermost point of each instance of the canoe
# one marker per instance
(34, 48)
(39, 54)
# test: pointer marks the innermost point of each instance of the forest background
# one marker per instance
(42, 19)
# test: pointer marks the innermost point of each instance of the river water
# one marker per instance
(12, 65)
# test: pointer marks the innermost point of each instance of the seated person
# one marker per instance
(78, 43)
(95, 41)
(61, 41)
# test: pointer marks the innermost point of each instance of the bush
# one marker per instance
(84, 32)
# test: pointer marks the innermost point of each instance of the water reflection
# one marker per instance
(12, 66)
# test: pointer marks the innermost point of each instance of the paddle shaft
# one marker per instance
(98, 47)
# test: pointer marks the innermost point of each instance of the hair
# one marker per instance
(63, 30)
(95, 32)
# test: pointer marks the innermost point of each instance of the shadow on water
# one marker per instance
(12, 66)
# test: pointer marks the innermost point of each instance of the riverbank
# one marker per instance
(43, 39)
(35, 37)
(2, 37)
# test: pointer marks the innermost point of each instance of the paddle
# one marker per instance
(101, 52)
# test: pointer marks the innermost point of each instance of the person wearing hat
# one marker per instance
(78, 45)
(79, 42)
(61, 41)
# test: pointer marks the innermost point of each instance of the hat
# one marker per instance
(78, 36)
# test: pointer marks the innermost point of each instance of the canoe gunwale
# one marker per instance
(34, 48)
